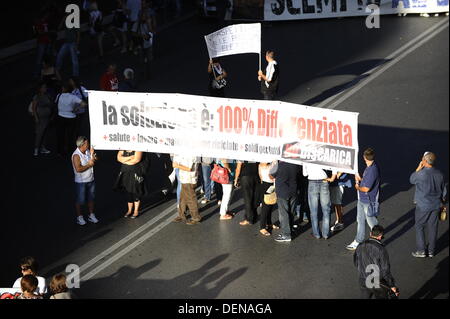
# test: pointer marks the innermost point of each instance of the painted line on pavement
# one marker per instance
(126, 239)
(393, 58)
(127, 249)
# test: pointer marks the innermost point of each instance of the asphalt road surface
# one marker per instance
(329, 63)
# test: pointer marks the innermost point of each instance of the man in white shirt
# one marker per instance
(187, 166)
(269, 81)
(318, 188)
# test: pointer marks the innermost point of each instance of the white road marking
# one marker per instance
(126, 239)
(127, 249)
(393, 59)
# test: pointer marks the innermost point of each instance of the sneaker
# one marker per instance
(36, 152)
(81, 221)
(431, 255)
(219, 202)
(281, 238)
(419, 254)
(337, 227)
(44, 151)
(353, 245)
(305, 219)
(205, 201)
(92, 219)
(426, 15)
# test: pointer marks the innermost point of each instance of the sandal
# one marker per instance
(244, 223)
(226, 217)
(264, 232)
(128, 214)
(274, 227)
(135, 216)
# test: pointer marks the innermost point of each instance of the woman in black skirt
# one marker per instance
(131, 179)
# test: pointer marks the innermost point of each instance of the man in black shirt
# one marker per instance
(269, 81)
(372, 261)
(286, 189)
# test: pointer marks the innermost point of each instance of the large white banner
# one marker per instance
(316, 9)
(253, 130)
(235, 39)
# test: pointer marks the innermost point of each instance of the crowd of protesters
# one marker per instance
(307, 192)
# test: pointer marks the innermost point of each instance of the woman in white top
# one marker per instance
(67, 119)
(81, 112)
(29, 266)
(266, 210)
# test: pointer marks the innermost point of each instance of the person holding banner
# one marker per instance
(368, 188)
(131, 179)
(269, 81)
(247, 175)
(266, 209)
(318, 192)
(187, 166)
(227, 189)
(286, 188)
(217, 77)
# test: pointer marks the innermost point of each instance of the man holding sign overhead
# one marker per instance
(269, 81)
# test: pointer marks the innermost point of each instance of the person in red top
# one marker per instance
(41, 29)
(109, 80)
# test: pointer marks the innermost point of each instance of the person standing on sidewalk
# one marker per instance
(83, 161)
(187, 166)
(41, 29)
(70, 46)
(42, 111)
(269, 81)
(430, 196)
(372, 259)
(368, 188)
(286, 189)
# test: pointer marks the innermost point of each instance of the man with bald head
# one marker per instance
(429, 198)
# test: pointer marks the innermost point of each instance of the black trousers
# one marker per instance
(269, 95)
(266, 210)
(66, 130)
(367, 293)
(249, 185)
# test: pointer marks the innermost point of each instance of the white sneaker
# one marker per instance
(219, 202)
(426, 15)
(353, 245)
(92, 219)
(36, 152)
(337, 227)
(81, 221)
(44, 151)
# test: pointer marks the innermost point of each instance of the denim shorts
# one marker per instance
(83, 190)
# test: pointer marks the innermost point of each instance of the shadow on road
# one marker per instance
(201, 283)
